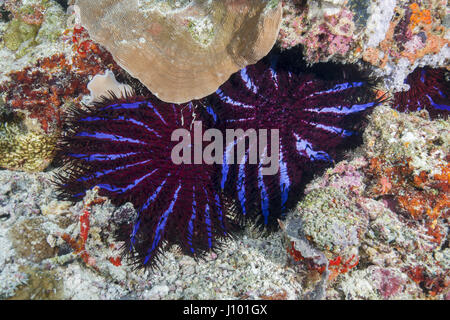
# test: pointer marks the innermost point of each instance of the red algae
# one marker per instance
(336, 266)
(44, 90)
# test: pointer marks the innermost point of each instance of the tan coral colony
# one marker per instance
(183, 50)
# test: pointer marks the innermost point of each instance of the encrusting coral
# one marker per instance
(30, 30)
(183, 50)
(394, 37)
(415, 177)
(377, 31)
(383, 212)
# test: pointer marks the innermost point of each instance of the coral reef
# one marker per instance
(413, 33)
(33, 100)
(414, 178)
(374, 226)
(10, 275)
(337, 228)
(394, 37)
(325, 34)
(134, 133)
(32, 31)
(377, 283)
(183, 50)
(390, 254)
(19, 32)
(388, 206)
(44, 90)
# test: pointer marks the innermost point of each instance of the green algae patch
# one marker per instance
(19, 32)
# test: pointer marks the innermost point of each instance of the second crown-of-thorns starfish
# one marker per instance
(429, 89)
(124, 146)
(315, 118)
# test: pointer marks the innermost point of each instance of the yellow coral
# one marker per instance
(23, 148)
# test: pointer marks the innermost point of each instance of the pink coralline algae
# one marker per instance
(389, 283)
(332, 37)
(414, 32)
(323, 38)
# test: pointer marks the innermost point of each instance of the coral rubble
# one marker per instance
(388, 206)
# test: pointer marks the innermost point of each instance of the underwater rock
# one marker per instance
(34, 30)
(398, 137)
(378, 283)
(334, 222)
(388, 206)
(183, 50)
(409, 166)
(30, 240)
(330, 220)
(395, 37)
(10, 276)
(326, 30)
(33, 100)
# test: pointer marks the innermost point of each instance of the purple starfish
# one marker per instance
(124, 147)
(315, 117)
(429, 89)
